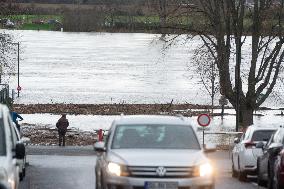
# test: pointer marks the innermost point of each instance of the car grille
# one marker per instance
(150, 172)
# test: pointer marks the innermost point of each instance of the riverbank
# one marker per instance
(114, 109)
(83, 128)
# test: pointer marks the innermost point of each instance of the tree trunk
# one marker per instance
(246, 116)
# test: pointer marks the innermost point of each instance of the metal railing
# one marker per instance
(224, 140)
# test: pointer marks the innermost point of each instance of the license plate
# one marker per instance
(161, 185)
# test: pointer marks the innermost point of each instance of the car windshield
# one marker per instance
(2, 139)
(262, 135)
(155, 136)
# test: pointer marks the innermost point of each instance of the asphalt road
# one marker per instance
(73, 168)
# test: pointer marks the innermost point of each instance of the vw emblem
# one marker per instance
(161, 171)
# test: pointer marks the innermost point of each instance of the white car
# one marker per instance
(245, 153)
(10, 151)
(152, 152)
(21, 162)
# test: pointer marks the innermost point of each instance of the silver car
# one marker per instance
(152, 152)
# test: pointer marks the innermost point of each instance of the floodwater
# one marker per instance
(59, 67)
(264, 118)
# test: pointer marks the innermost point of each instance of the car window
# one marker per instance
(2, 138)
(155, 136)
(270, 140)
(282, 136)
(247, 134)
(262, 135)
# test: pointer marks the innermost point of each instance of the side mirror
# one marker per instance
(209, 148)
(25, 140)
(260, 145)
(236, 140)
(275, 148)
(20, 151)
(99, 147)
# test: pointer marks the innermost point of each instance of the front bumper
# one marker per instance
(134, 182)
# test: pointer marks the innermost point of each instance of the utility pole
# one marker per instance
(18, 88)
(18, 59)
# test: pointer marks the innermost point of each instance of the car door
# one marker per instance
(263, 159)
(236, 151)
(13, 139)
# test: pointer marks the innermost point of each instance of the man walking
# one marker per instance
(62, 125)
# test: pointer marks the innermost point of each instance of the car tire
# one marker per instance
(276, 184)
(24, 172)
(260, 180)
(242, 176)
(21, 175)
(234, 172)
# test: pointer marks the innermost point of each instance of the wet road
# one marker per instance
(73, 168)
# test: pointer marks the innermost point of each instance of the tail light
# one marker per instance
(249, 144)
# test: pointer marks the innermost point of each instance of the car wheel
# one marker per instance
(234, 172)
(260, 180)
(276, 184)
(24, 172)
(270, 178)
(242, 176)
(21, 175)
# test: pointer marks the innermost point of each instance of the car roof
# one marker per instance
(261, 127)
(151, 119)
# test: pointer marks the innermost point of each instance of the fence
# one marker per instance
(223, 140)
(4, 93)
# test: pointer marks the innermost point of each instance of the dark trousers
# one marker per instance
(61, 137)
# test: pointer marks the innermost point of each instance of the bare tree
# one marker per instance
(7, 49)
(225, 37)
(205, 66)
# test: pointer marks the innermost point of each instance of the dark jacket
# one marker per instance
(15, 115)
(62, 124)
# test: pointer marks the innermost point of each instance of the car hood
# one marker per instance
(154, 157)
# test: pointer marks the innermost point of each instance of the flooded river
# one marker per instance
(59, 67)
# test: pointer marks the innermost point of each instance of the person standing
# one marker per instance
(62, 125)
(15, 116)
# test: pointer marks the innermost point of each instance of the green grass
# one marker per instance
(30, 18)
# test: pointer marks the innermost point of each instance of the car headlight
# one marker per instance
(205, 170)
(12, 183)
(114, 168)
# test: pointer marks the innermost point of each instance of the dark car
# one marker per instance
(278, 176)
(266, 162)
